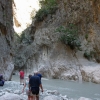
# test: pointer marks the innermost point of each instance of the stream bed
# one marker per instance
(73, 89)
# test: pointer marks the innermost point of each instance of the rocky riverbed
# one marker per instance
(12, 91)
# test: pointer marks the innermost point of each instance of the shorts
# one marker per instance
(21, 77)
(35, 90)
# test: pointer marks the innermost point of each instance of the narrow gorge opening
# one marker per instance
(23, 14)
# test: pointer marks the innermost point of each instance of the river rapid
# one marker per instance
(73, 89)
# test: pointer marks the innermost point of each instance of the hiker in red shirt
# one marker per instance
(21, 77)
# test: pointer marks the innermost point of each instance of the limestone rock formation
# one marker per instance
(6, 38)
(53, 58)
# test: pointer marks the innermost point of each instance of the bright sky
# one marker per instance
(23, 11)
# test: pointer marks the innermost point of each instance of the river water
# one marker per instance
(73, 89)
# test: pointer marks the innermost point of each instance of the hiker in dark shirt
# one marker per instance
(38, 74)
(34, 85)
(1, 80)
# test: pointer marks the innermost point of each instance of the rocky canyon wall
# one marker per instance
(53, 58)
(6, 38)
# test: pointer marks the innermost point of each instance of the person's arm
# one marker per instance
(41, 87)
(29, 85)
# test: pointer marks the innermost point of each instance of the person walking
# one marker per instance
(2, 81)
(38, 74)
(21, 72)
(26, 88)
(34, 85)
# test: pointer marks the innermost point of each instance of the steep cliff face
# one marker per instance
(53, 58)
(6, 38)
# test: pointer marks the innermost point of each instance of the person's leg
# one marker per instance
(37, 93)
(37, 97)
(20, 81)
(32, 97)
(29, 97)
(23, 81)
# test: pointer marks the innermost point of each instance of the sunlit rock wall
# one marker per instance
(6, 38)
